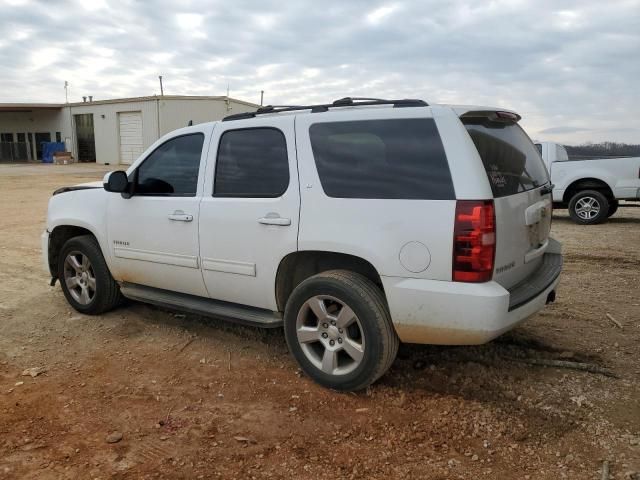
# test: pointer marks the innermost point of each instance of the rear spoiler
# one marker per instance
(500, 116)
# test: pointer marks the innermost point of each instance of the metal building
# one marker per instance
(105, 131)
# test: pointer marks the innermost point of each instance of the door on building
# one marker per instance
(41, 137)
(85, 137)
(6, 144)
(21, 147)
(130, 126)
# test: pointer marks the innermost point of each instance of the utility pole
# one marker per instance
(70, 145)
(161, 89)
(261, 97)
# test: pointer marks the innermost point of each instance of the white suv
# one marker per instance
(355, 225)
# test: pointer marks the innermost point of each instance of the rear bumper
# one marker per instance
(538, 282)
(453, 313)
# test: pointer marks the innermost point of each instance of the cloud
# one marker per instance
(555, 130)
(573, 67)
(191, 24)
(379, 14)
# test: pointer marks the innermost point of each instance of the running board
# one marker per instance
(255, 317)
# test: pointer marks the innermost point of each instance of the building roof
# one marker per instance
(26, 107)
(163, 97)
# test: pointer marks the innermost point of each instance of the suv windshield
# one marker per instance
(510, 158)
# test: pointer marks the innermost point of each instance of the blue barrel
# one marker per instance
(49, 148)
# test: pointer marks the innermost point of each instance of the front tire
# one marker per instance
(338, 328)
(84, 277)
(613, 208)
(588, 207)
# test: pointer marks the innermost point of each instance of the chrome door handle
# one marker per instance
(274, 219)
(180, 216)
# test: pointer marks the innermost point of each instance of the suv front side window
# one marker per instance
(172, 168)
(252, 162)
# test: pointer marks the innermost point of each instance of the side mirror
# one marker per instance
(116, 182)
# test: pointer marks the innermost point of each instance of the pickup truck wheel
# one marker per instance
(85, 278)
(613, 208)
(588, 207)
(338, 328)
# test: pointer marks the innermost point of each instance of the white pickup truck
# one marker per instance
(590, 189)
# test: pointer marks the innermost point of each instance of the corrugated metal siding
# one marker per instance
(107, 129)
(176, 113)
(173, 113)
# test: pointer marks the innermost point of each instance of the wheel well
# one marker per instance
(57, 239)
(587, 184)
(298, 266)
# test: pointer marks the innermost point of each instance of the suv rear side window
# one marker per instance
(172, 168)
(396, 159)
(511, 160)
(252, 162)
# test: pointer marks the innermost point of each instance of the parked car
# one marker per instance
(354, 225)
(590, 189)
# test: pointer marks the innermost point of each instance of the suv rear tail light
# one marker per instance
(474, 241)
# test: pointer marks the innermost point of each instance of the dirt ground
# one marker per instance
(198, 398)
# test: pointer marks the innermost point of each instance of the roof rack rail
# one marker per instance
(272, 108)
(342, 102)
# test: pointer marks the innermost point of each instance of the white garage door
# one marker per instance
(130, 136)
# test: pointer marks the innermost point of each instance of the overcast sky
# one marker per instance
(570, 68)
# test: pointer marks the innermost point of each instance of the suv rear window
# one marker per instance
(510, 158)
(397, 159)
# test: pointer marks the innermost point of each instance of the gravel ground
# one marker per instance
(146, 393)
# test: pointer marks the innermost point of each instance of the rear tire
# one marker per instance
(588, 207)
(613, 208)
(84, 277)
(338, 328)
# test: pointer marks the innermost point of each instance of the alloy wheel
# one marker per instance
(79, 277)
(587, 208)
(330, 335)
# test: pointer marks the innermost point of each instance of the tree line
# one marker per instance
(604, 149)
